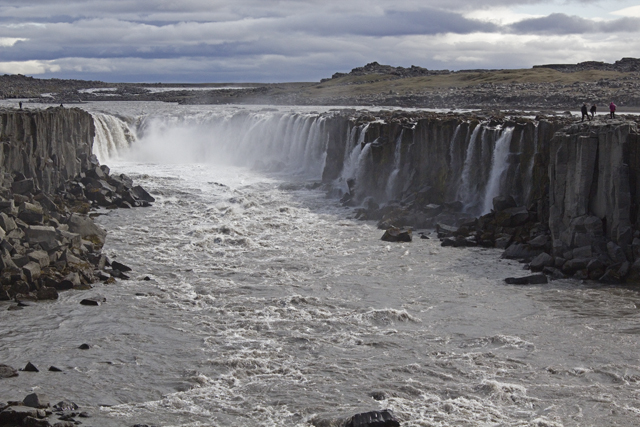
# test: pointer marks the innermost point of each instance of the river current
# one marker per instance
(256, 300)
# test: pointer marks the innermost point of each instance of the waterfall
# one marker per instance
(352, 157)
(113, 136)
(499, 165)
(467, 186)
(397, 157)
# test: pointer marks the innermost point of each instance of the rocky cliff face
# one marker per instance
(552, 188)
(50, 146)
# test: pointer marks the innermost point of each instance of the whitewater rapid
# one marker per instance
(255, 300)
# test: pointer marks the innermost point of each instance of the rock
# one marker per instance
(31, 213)
(84, 347)
(534, 279)
(36, 400)
(15, 415)
(392, 234)
(373, 419)
(123, 268)
(72, 280)
(541, 261)
(32, 271)
(85, 227)
(7, 371)
(54, 369)
(23, 187)
(512, 217)
(91, 302)
(47, 293)
(7, 223)
(521, 251)
(30, 367)
(65, 405)
(43, 235)
(35, 422)
(39, 257)
(615, 253)
(501, 203)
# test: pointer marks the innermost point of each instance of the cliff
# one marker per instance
(51, 146)
(555, 193)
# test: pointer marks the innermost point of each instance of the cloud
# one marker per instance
(280, 40)
(29, 67)
(559, 23)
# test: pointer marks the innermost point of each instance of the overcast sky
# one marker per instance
(303, 40)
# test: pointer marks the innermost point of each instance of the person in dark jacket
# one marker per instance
(593, 111)
(585, 112)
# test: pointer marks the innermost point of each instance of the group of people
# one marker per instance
(592, 110)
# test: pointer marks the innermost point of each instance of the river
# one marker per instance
(256, 300)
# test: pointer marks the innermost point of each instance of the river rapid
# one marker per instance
(256, 300)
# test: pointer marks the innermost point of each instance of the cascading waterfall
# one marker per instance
(499, 165)
(466, 188)
(393, 177)
(112, 136)
(351, 159)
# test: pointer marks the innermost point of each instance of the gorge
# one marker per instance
(267, 304)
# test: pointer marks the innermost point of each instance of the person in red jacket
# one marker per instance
(612, 110)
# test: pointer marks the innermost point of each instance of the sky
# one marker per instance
(270, 41)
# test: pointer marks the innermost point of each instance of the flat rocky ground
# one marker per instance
(541, 88)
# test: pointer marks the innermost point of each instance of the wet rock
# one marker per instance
(394, 234)
(84, 347)
(85, 227)
(35, 422)
(30, 367)
(534, 279)
(47, 293)
(119, 266)
(54, 369)
(7, 371)
(373, 419)
(521, 251)
(90, 302)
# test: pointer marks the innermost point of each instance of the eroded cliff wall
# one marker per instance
(50, 146)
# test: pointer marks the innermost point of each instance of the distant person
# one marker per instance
(20, 103)
(584, 112)
(593, 111)
(612, 110)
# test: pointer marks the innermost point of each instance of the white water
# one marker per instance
(269, 307)
(496, 185)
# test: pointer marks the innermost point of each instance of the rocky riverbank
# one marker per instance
(49, 188)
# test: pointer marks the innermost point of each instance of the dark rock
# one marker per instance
(521, 251)
(615, 253)
(91, 302)
(501, 203)
(141, 194)
(54, 369)
(534, 279)
(373, 419)
(35, 422)
(394, 234)
(36, 400)
(7, 371)
(541, 261)
(119, 266)
(23, 187)
(30, 368)
(47, 293)
(15, 415)
(84, 347)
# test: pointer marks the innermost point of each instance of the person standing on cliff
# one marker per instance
(584, 112)
(593, 111)
(20, 103)
(612, 110)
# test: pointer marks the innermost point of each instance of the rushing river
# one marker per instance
(256, 301)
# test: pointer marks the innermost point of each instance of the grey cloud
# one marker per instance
(559, 23)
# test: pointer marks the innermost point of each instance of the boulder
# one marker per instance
(7, 371)
(31, 213)
(36, 400)
(43, 235)
(47, 293)
(534, 279)
(392, 234)
(521, 251)
(512, 217)
(7, 223)
(501, 203)
(23, 187)
(32, 271)
(85, 227)
(40, 257)
(15, 415)
(541, 261)
(373, 419)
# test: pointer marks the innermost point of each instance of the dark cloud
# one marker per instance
(559, 23)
